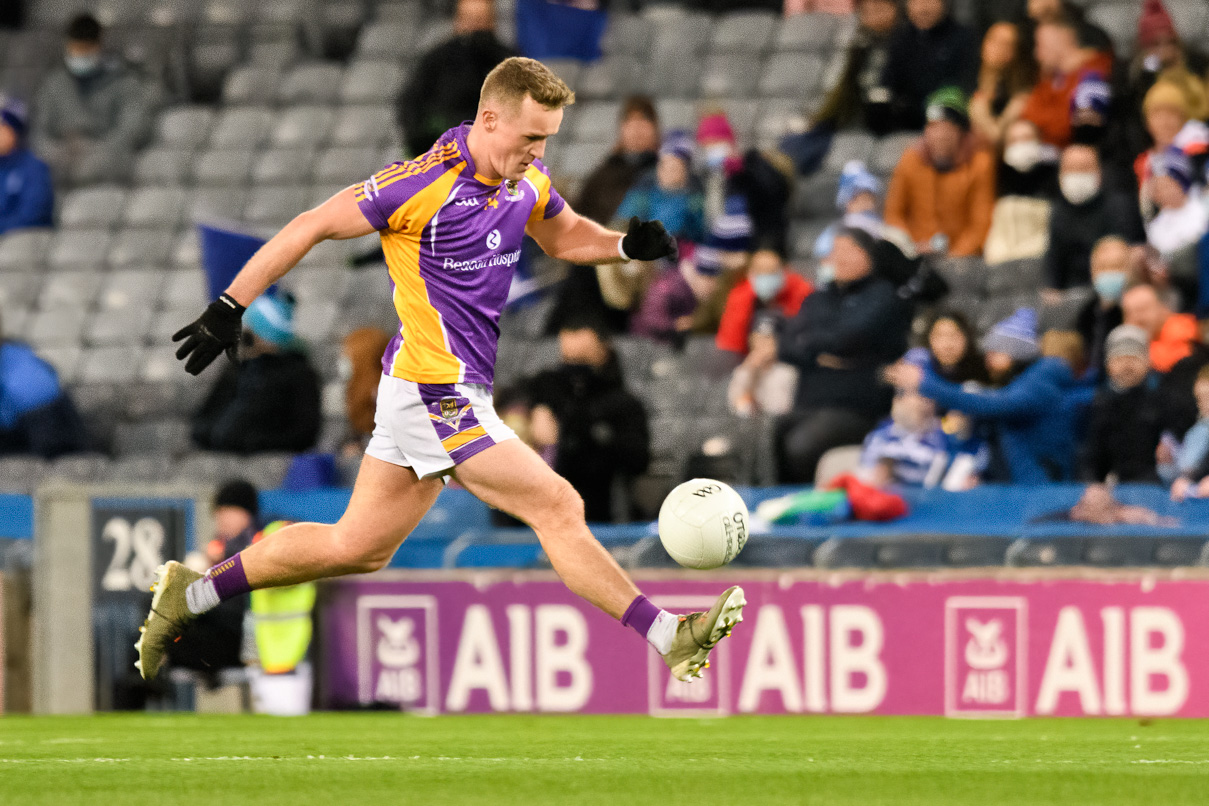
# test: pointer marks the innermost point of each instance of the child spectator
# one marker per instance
(1004, 81)
(26, 194)
(762, 384)
(1035, 433)
(1171, 334)
(908, 449)
(1192, 459)
(1126, 417)
(1183, 216)
(929, 51)
(943, 189)
(670, 194)
(769, 287)
(1071, 98)
(953, 352)
(91, 113)
(856, 199)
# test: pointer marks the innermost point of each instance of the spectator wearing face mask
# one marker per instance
(1169, 122)
(1126, 420)
(929, 51)
(26, 194)
(1071, 99)
(857, 201)
(1183, 217)
(768, 288)
(1085, 213)
(91, 113)
(943, 189)
(1111, 267)
(1027, 182)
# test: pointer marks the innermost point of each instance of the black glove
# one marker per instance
(216, 330)
(647, 240)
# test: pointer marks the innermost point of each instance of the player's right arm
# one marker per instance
(218, 328)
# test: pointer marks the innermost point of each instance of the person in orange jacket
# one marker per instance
(1069, 103)
(943, 190)
(1171, 334)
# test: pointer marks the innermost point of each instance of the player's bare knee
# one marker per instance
(562, 513)
(354, 556)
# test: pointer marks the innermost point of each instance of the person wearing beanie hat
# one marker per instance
(1183, 216)
(26, 192)
(1126, 421)
(270, 400)
(857, 201)
(1168, 114)
(670, 193)
(1154, 25)
(236, 510)
(842, 334)
(943, 189)
(1036, 431)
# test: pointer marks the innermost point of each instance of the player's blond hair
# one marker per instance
(514, 78)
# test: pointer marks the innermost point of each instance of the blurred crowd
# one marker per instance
(1032, 139)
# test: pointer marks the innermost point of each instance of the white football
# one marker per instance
(703, 524)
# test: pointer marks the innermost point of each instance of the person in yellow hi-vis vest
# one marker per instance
(281, 624)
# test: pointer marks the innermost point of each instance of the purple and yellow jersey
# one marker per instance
(452, 240)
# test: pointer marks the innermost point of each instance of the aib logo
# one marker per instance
(984, 646)
(493, 239)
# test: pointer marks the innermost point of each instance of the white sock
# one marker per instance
(662, 630)
(201, 596)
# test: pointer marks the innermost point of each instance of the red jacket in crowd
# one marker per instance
(741, 309)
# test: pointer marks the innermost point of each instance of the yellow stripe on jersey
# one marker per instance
(402, 170)
(424, 356)
(542, 183)
(455, 441)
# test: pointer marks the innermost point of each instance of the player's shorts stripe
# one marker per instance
(455, 441)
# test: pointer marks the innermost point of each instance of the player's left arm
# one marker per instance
(571, 237)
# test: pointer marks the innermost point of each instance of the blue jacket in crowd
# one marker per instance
(26, 383)
(1035, 428)
(26, 195)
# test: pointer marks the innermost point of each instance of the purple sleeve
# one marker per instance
(555, 204)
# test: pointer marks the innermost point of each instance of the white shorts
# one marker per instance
(433, 427)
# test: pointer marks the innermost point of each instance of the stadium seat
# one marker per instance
(1191, 18)
(743, 32)
(65, 358)
(222, 167)
(362, 126)
(579, 159)
(69, 289)
(141, 247)
(163, 166)
(143, 401)
(302, 126)
(836, 462)
(184, 289)
(218, 203)
(277, 166)
(890, 150)
(848, 146)
(316, 82)
(627, 34)
(142, 468)
(185, 127)
(314, 321)
(345, 165)
(1119, 21)
(815, 33)
(966, 276)
(156, 206)
(791, 75)
(371, 82)
(1014, 277)
(98, 206)
(22, 473)
(186, 251)
(730, 75)
(318, 283)
(19, 289)
(85, 468)
(386, 40)
(25, 249)
(164, 437)
(596, 122)
(126, 327)
(610, 77)
(242, 128)
(111, 364)
(1064, 315)
(275, 205)
(251, 84)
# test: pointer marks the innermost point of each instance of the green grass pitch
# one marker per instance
(384, 758)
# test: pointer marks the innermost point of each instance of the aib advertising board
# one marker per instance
(892, 644)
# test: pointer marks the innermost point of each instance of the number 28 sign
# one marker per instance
(131, 541)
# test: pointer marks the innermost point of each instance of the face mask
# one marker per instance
(825, 274)
(1079, 188)
(1023, 156)
(82, 66)
(716, 155)
(767, 286)
(1109, 285)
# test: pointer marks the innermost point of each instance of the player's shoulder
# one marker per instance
(402, 179)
